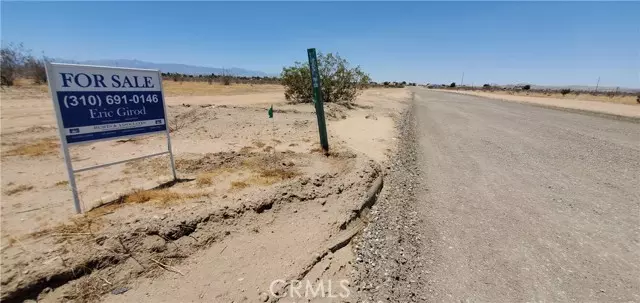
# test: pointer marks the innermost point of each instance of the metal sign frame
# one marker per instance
(53, 84)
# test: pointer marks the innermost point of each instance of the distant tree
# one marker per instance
(403, 83)
(486, 86)
(386, 83)
(453, 84)
(565, 91)
(526, 87)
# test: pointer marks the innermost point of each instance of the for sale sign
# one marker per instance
(100, 103)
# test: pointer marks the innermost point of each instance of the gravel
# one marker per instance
(388, 259)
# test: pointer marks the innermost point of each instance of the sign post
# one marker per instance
(96, 103)
(317, 98)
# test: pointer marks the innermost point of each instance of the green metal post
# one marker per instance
(317, 98)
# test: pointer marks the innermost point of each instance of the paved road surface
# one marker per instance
(516, 203)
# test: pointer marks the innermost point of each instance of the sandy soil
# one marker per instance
(626, 109)
(265, 178)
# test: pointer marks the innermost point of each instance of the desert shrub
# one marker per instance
(386, 83)
(226, 77)
(339, 82)
(565, 91)
(12, 58)
(486, 86)
(526, 87)
(453, 84)
(35, 69)
(638, 98)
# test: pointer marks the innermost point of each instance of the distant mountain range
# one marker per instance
(171, 67)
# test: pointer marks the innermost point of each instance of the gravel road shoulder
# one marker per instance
(388, 257)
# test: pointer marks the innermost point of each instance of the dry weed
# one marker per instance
(18, 189)
(83, 227)
(62, 183)
(272, 176)
(239, 185)
(204, 179)
(162, 196)
(259, 144)
(90, 289)
(43, 147)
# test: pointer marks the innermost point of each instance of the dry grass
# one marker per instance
(162, 196)
(18, 189)
(238, 185)
(25, 89)
(43, 147)
(173, 88)
(272, 176)
(62, 183)
(83, 227)
(259, 144)
(204, 179)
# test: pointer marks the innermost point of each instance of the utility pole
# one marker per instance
(462, 81)
(597, 84)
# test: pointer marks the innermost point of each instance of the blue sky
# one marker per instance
(491, 42)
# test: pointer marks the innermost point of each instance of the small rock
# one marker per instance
(119, 290)
(264, 297)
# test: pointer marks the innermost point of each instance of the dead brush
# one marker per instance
(89, 289)
(162, 196)
(238, 185)
(18, 189)
(43, 147)
(83, 227)
(204, 180)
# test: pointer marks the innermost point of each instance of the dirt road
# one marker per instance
(505, 202)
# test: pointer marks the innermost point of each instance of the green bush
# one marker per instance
(339, 82)
(453, 84)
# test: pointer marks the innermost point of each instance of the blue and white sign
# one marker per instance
(95, 103)
(100, 103)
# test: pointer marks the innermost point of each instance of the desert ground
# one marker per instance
(519, 200)
(619, 106)
(256, 199)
